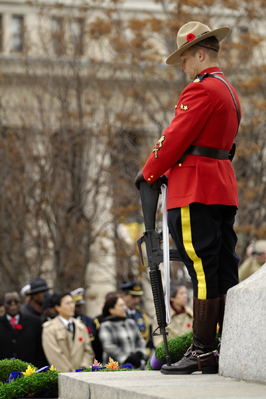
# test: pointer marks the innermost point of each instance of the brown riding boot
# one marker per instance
(200, 356)
(222, 300)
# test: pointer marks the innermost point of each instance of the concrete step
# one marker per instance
(154, 385)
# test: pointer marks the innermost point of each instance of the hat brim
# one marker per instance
(36, 290)
(220, 34)
(135, 293)
(81, 302)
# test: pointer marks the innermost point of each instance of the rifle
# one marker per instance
(153, 239)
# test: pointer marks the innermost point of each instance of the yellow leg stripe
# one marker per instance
(189, 248)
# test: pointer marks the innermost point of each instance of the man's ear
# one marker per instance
(201, 54)
(56, 308)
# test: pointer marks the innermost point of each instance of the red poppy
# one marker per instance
(88, 329)
(190, 37)
(188, 325)
(80, 339)
(19, 327)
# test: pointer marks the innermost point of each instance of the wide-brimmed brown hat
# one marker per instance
(192, 33)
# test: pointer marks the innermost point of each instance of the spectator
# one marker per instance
(2, 308)
(20, 334)
(78, 298)
(97, 345)
(23, 293)
(65, 340)
(132, 293)
(181, 314)
(38, 287)
(253, 262)
(120, 337)
(49, 312)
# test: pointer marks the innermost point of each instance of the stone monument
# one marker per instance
(243, 348)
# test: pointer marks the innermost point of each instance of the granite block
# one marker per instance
(243, 348)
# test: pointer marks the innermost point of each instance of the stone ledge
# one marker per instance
(244, 332)
(154, 385)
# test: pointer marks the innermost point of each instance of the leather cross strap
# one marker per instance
(214, 152)
(209, 75)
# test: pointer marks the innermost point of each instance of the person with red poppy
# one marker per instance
(65, 340)
(20, 334)
(194, 156)
(181, 314)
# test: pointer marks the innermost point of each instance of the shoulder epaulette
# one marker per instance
(97, 323)
(141, 310)
(47, 324)
(199, 78)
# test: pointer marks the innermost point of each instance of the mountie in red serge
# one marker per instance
(200, 179)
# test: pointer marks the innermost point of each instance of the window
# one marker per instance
(58, 35)
(67, 32)
(1, 33)
(243, 29)
(77, 27)
(17, 28)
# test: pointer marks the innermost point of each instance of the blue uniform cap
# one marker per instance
(134, 288)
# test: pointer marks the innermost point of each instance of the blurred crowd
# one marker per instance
(45, 328)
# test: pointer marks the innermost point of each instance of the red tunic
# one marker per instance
(205, 116)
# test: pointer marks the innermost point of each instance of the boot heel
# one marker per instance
(210, 370)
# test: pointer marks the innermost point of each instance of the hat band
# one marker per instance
(201, 45)
(77, 298)
(194, 39)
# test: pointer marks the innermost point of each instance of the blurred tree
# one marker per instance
(243, 61)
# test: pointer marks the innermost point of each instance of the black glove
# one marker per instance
(138, 179)
(156, 185)
(135, 359)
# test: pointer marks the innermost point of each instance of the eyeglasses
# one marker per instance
(16, 302)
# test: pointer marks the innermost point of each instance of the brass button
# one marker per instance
(149, 179)
(152, 176)
(180, 164)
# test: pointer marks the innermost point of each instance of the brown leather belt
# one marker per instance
(208, 152)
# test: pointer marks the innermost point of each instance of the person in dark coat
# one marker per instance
(21, 335)
(49, 312)
(131, 294)
(2, 308)
(34, 307)
(78, 298)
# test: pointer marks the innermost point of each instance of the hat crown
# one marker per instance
(37, 284)
(194, 28)
(260, 246)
